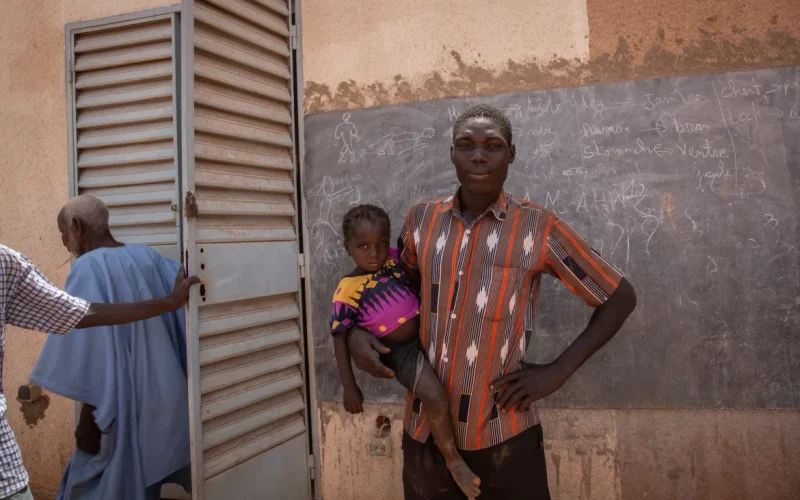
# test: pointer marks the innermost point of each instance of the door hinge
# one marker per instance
(312, 467)
(293, 37)
(301, 262)
(69, 70)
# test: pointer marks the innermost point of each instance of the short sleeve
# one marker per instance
(344, 309)
(407, 246)
(37, 304)
(572, 260)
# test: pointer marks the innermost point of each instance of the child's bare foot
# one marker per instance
(466, 480)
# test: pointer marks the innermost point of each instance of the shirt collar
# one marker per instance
(498, 208)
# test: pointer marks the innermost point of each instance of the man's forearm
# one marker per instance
(604, 324)
(87, 435)
(119, 314)
(342, 352)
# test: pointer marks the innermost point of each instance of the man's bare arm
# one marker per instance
(365, 350)
(521, 388)
(119, 314)
(603, 325)
(87, 435)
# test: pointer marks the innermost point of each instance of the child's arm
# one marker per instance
(353, 398)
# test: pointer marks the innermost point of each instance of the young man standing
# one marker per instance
(477, 258)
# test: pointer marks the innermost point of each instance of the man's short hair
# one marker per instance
(90, 210)
(489, 112)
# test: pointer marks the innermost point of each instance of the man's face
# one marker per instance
(69, 237)
(481, 156)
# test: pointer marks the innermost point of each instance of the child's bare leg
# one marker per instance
(434, 400)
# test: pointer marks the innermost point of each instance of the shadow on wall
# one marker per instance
(711, 51)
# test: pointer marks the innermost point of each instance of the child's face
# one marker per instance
(369, 245)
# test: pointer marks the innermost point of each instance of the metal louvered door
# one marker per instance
(247, 390)
(122, 103)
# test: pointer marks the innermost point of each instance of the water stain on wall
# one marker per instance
(33, 411)
(709, 51)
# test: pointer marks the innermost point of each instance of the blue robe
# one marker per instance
(134, 374)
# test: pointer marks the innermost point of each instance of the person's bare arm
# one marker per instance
(87, 435)
(119, 314)
(352, 396)
(603, 325)
(533, 382)
(37, 304)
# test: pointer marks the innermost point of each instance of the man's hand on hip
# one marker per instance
(518, 390)
(365, 351)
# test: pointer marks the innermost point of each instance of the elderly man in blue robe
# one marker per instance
(133, 430)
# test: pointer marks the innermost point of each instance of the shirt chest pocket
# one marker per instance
(503, 294)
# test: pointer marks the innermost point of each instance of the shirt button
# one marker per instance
(461, 273)
(467, 232)
(453, 316)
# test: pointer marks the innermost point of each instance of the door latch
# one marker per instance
(190, 204)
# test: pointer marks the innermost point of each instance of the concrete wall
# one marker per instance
(602, 454)
(374, 53)
(33, 186)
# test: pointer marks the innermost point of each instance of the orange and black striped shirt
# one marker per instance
(480, 284)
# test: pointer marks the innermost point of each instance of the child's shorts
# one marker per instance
(406, 361)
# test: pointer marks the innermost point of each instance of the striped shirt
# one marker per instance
(479, 283)
(27, 300)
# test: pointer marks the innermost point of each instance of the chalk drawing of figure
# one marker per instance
(334, 199)
(347, 133)
(329, 243)
(348, 195)
(402, 144)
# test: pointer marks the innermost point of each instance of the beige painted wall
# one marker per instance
(372, 53)
(33, 186)
(602, 454)
(363, 50)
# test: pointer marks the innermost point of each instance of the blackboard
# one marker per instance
(688, 185)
